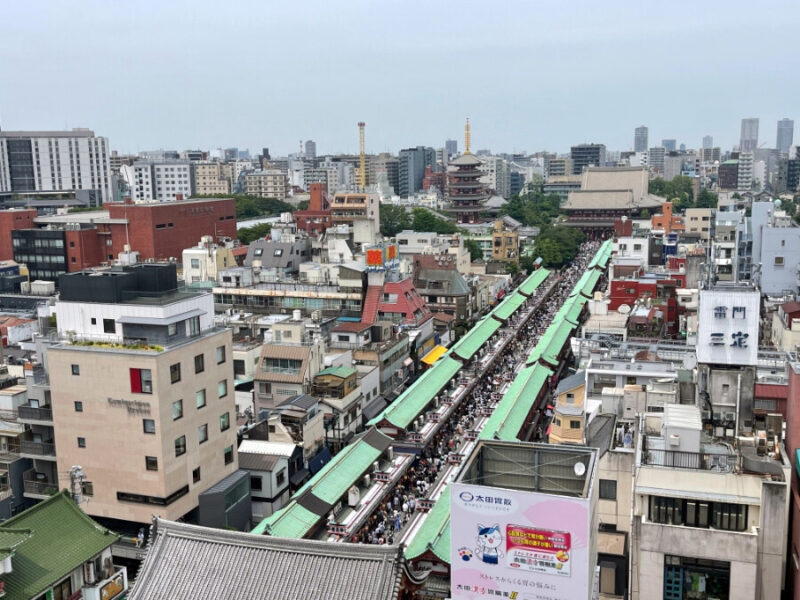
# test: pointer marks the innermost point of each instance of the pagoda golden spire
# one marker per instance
(466, 137)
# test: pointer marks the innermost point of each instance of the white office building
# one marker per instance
(54, 161)
(161, 181)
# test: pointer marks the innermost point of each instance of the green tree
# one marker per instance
(706, 199)
(512, 268)
(248, 234)
(679, 190)
(394, 219)
(557, 245)
(526, 263)
(533, 208)
(475, 250)
(250, 207)
(424, 220)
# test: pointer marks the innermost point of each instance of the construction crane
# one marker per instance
(362, 158)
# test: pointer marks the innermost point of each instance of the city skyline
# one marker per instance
(573, 51)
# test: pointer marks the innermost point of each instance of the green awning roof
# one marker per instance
(339, 371)
(62, 537)
(509, 306)
(591, 283)
(293, 521)
(561, 333)
(468, 345)
(516, 403)
(413, 401)
(514, 421)
(434, 535)
(327, 486)
(581, 283)
(533, 281)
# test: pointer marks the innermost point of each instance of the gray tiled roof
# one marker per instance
(189, 561)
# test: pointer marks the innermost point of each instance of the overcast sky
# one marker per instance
(530, 75)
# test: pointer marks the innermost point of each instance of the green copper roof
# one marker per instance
(509, 306)
(468, 345)
(515, 405)
(434, 535)
(411, 403)
(327, 486)
(62, 538)
(533, 281)
(342, 372)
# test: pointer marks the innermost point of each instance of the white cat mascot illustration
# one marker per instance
(489, 541)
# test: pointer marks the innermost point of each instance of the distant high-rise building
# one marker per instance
(587, 155)
(785, 135)
(55, 161)
(669, 145)
(708, 141)
(452, 147)
(411, 169)
(682, 147)
(748, 140)
(640, 139)
(655, 160)
(231, 153)
(311, 149)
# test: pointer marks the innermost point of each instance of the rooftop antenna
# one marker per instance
(362, 159)
(466, 137)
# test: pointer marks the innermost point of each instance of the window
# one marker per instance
(148, 425)
(280, 478)
(141, 381)
(195, 263)
(151, 463)
(608, 489)
(574, 424)
(264, 388)
(200, 398)
(81, 442)
(224, 421)
(220, 354)
(278, 252)
(109, 326)
(637, 247)
(196, 475)
(76, 369)
(238, 366)
(778, 261)
(255, 483)
(172, 329)
(78, 406)
(94, 321)
(228, 454)
(570, 398)
(180, 446)
(222, 388)
(175, 373)
(194, 326)
(202, 433)
(258, 252)
(199, 363)
(177, 410)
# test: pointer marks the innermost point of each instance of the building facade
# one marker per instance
(142, 393)
(161, 180)
(55, 161)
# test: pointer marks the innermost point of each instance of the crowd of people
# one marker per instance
(385, 524)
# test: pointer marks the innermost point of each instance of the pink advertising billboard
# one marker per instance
(519, 545)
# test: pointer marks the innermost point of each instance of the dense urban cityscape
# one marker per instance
(446, 370)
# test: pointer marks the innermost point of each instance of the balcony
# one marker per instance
(37, 488)
(108, 589)
(31, 449)
(27, 413)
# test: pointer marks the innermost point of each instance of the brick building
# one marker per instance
(317, 217)
(81, 240)
(9, 221)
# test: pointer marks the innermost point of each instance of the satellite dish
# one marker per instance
(580, 469)
(624, 309)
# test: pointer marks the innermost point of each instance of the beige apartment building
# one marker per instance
(698, 223)
(212, 178)
(270, 183)
(142, 393)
